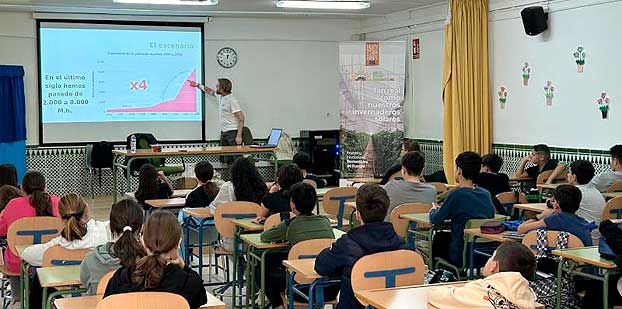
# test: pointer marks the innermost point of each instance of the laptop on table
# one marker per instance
(273, 140)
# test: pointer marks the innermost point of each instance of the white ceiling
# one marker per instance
(225, 7)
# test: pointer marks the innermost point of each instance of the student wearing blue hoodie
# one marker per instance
(375, 235)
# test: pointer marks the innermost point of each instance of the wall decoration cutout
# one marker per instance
(549, 92)
(526, 73)
(579, 58)
(603, 104)
(503, 96)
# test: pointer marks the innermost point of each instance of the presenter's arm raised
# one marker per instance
(240, 116)
(202, 87)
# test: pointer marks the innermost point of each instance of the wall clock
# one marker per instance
(227, 57)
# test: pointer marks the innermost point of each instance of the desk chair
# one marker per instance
(440, 187)
(144, 300)
(334, 203)
(308, 249)
(508, 199)
(60, 256)
(613, 210)
(103, 283)
(460, 271)
(387, 270)
(275, 220)
(616, 187)
(223, 218)
(402, 226)
(310, 182)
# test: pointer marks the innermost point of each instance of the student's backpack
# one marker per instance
(545, 284)
(101, 155)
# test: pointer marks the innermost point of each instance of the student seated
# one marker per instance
(566, 201)
(489, 177)
(126, 222)
(373, 236)
(80, 231)
(246, 184)
(604, 180)
(7, 193)
(304, 226)
(207, 190)
(463, 203)
(152, 185)
(37, 202)
(161, 270)
(541, 158)
(8, 175)
(410, 189)
(407, 146)
(278, 199)
(580, 173)
(505, 284)
(303, 161)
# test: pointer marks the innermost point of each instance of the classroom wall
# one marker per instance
(572, 121)
(286, 76)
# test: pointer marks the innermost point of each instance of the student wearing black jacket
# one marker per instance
(161, 270)
(373, 236)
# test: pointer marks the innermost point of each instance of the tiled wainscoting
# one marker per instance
(66, 170)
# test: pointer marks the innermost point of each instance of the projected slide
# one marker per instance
(106, 73)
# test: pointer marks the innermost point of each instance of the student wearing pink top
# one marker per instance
(37, 202)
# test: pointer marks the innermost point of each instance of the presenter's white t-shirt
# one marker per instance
(228, 105)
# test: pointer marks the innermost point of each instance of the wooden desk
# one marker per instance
(120, 156)
(90, 302)
(59, 276)
(411, 297)
(521, 179)
(365, 180)
(176, 193)
(254, 241)
(494, 237)
(167, 203)
(551, 186)
(302, 267)
(199, 213)
(535, 207)
(608, 195)
(419, 218)
(248, 225)
(572, 260)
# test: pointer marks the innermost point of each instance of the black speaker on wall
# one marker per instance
(535, 20)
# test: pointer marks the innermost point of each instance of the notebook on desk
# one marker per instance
(273, 140)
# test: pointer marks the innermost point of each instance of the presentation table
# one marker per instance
(123, 159)
(573, 260)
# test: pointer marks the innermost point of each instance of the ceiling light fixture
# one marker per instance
(170, 2)
(324, 4)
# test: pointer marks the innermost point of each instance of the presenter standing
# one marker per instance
(231, 116)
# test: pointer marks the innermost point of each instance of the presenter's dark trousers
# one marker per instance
(227, 138)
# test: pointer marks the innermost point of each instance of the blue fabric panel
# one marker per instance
(14, 153)
(12, 104)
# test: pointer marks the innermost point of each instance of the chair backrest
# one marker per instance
(613, 210)
(615, 187)
(401, 225)
(531, 241)
(308, 249)
(60, 256)
(33, 230)
(334, 201)
(387, 270)
(274, 220)
(542, 178)
(440, 187)
(508, 199)
(99, 155)
(227, 212)
(144, 300)
(103, 283)
(396, 175)
(310, 182)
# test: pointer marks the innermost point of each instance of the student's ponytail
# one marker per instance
(33, 184)
(72, 209)
(126, 221)
(161, 236)
(205, 172)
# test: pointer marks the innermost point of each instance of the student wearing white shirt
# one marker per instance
(580, 173)
(231, 116)
(605, 179)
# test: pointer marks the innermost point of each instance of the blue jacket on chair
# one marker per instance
(338, 260)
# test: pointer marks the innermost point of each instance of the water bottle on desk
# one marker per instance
(133, 143)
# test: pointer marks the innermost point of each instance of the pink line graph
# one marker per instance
(184, 102)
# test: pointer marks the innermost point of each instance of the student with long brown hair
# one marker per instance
(7, 193)
(161, 270)
(152, 184)
(126, 223)
(36, 202)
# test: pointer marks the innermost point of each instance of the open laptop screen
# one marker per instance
(275, 135)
